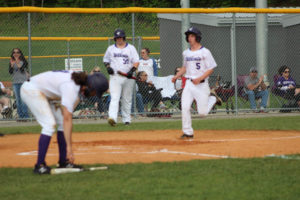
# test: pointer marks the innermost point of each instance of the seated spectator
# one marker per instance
(256, 88)
(4, 100)
(148, 91)
(287, 85)
(149, 66)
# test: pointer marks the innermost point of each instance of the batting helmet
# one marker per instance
(195, 31)
(97, 82)
(119, 33)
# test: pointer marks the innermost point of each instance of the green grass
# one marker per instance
(265, 123)
(269, 178)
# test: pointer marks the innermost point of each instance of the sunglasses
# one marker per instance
(286, 71)
(96, 71)
(143, 52)
(254, 71)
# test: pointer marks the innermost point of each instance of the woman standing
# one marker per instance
(18, 69)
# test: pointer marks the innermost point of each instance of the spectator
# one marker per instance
(286, 84)
(256, 88)
(101, 105)
(18, 69)
(148, 91)
(4, 100)
(149, 66)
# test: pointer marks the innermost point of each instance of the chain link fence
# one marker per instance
(58, 39)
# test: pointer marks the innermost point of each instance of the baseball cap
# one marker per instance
(97, 81)
(253, 69)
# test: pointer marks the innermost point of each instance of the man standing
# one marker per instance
(198, 64)
(256, 88)
(120, 58)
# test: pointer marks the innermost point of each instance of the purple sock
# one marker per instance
(43, 148)
(61, 146)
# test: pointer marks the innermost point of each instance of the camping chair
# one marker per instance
(225, 91)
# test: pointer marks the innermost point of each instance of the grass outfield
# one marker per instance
(261, 123)
(255, 178)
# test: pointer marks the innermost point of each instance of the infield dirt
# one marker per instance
(150, 146)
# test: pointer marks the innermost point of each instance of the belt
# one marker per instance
(192, 80)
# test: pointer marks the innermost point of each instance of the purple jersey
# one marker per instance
(282, 82)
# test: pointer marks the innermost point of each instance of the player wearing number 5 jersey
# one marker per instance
(120, 58)
(198, 65)
(42, 93)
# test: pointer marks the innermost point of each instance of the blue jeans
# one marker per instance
(21, 106)
(139, 103)
(260, 94)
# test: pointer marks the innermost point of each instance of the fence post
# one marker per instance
(233, 61)
(29, 43)
(132, 25)
(68, 53)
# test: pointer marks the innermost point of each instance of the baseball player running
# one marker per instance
(198, 65)
(120, 58)
(40, 94)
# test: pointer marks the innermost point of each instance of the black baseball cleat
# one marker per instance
(127, 123)
(219, 100)
(41, 169)
(67, 164)
(111, 121)
(185, 136)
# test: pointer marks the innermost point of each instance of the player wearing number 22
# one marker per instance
(198, 65)
(120, 57)
(52, 97)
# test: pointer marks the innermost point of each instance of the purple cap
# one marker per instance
(97, 81)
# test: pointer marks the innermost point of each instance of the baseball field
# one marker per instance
(254, 157)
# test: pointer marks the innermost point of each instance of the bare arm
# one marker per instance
(68, 132)
(179, 74)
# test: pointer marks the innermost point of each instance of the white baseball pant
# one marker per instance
(47, 114)
(204, 101)
(120, 87)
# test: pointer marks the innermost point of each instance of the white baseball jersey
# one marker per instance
(198, 62)
(146, 66)
(58, 85)
(121, 59)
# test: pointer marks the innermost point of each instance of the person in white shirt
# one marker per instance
(198, 65)
(147, 64)
(120, 57)
(52, 97)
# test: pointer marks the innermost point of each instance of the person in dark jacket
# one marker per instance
(148, 91)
